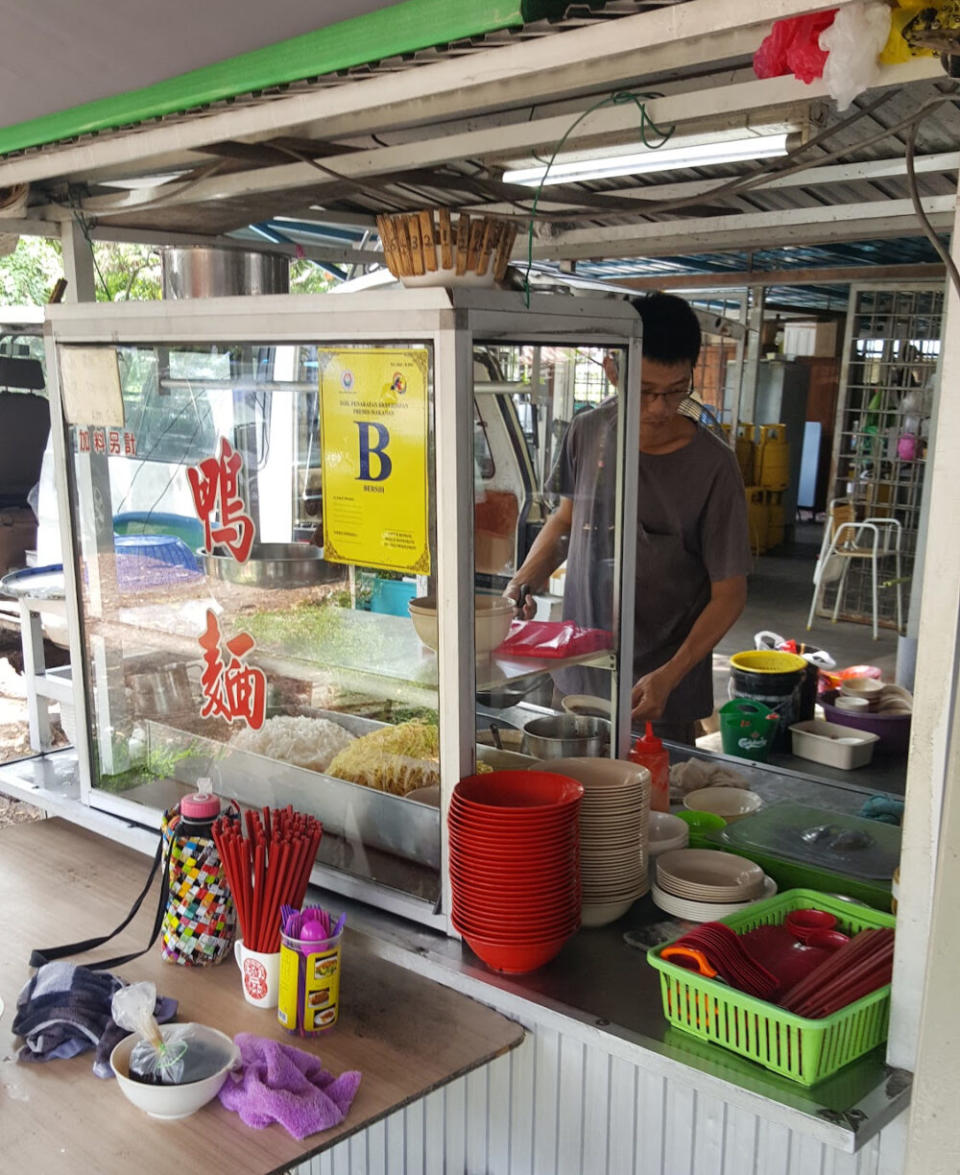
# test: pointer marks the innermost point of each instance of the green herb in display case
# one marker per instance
(161, 762)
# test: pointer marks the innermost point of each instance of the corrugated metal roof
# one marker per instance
(475, 183)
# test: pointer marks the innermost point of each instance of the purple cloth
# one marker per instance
(278, 1083)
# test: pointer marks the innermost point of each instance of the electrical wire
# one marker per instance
(620, 98)
(925, 224)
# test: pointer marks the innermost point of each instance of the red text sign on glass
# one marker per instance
(231, 689)
(215, 489)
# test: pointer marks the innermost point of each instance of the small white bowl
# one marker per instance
(666, 833)
(852, 703)
(173, 1101)
(732, 803)
(588, 705)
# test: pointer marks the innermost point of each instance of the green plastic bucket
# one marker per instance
(748, 728)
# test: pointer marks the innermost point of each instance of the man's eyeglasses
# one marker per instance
(673, 398)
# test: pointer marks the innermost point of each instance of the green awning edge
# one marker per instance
(402, 28)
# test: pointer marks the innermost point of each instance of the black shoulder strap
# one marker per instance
(161, 860)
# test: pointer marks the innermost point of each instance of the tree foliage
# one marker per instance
(122, 272)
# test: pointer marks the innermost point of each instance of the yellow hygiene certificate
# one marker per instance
(373, 436)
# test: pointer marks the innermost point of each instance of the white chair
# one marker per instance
(842, 542)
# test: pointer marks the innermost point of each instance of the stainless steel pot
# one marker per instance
(560, 736)
(275, 565)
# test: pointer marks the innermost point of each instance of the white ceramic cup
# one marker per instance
(260, 974)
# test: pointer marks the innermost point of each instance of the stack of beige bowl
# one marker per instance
(614, 815)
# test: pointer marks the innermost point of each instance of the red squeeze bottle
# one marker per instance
(650, 752)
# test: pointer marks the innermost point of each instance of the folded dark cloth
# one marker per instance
(64, 1010)
(279, 1083)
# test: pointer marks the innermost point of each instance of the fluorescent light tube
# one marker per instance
(642, 161)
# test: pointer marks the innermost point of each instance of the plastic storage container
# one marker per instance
(833, 744)
(834, 841)
(650, 752)
(805, 1051)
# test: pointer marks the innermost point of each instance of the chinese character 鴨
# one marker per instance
(213, 484)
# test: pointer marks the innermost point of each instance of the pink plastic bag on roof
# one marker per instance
(793, 47)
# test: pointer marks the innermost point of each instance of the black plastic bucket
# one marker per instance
(777, 680)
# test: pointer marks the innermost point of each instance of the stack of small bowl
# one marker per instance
(514, 869)
(614, 818)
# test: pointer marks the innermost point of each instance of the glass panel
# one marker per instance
(564, 642)
(226, 634)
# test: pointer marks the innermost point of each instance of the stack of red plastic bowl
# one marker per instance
(514, 866)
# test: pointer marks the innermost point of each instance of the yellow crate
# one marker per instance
(772, 458)
(745, 451)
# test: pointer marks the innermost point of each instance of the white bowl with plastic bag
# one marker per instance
(180, 1100)
(181, 1067)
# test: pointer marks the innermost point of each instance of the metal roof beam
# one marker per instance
(606, 55)
(159, 237)
(828, 275)
(791, 226)
(621, 120)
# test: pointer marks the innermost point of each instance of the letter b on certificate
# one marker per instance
(375, 464)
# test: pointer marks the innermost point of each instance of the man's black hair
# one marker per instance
(671, 332)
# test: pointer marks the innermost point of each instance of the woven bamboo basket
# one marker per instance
(432, 248)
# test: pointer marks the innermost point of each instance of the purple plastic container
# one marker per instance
(893, 730)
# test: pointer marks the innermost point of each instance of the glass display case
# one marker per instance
(291, 522)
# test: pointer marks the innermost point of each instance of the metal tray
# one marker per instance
(274, 565)
(359, 814)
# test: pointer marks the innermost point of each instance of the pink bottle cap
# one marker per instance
(200, 805)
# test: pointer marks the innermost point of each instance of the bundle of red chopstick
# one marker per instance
(268, 869)
(854, 970)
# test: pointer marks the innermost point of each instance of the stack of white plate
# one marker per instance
(703, 884)
(614, 814)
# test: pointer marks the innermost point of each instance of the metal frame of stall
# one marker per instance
(450, 321)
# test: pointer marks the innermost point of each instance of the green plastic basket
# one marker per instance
(803, 1050)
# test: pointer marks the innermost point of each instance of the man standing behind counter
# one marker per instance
(693, 550)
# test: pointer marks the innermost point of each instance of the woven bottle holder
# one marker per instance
(200, 918)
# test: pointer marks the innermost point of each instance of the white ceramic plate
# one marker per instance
(708, 868)
(705, 911)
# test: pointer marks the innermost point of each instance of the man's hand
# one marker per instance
(649, 696)
(527, 606)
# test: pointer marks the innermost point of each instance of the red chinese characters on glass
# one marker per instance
(214, 485)
(231, 689)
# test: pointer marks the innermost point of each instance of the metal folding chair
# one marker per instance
(842, 542)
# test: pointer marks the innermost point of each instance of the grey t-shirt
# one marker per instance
(691, 530)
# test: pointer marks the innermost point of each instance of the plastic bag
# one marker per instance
(793, 47)
(854, 42)
(156, 1059)
(552, 638)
